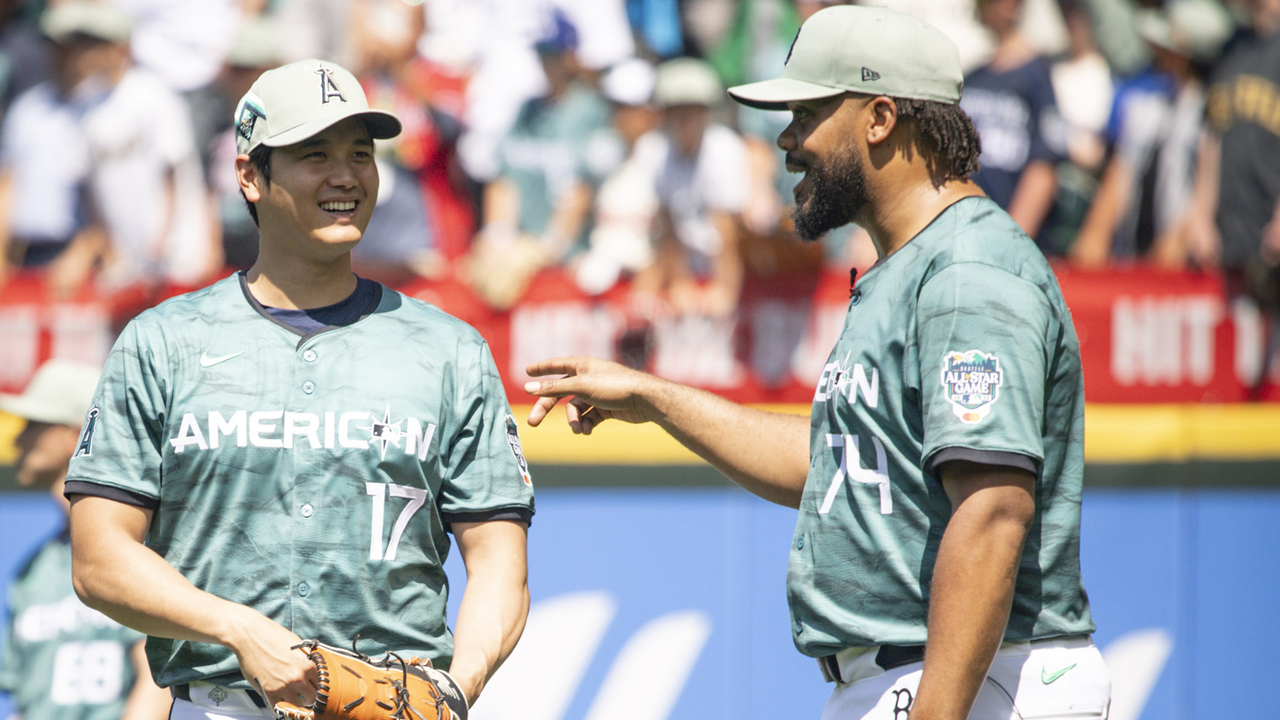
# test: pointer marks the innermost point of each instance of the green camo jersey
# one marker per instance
(957, 345)
(311, 477)
(63, 661)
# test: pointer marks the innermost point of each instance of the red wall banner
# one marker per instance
(1145, 336)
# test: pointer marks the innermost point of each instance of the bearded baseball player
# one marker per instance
(267, 478)
(934, 570)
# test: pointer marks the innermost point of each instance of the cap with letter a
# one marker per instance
(871, 50)
(293, 102)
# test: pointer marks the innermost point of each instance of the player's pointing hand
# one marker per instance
(599, 390)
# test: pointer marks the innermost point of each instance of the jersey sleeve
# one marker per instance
(485, 466)
(982, 338)
(120, 442)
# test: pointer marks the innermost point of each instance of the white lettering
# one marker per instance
(344, 430)
(823, 381)
(301, 425)
(188, 434)
(258, 426)
(220, 426)
(419, 438)
(328, 430)
(377, 491)
(1164, 340)
(870, 391)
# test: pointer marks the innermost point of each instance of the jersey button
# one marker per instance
(307, 510)
(800, 543)
(309, 355)
(855, 298)
(304, 589)
(308, 387)
(795, 625)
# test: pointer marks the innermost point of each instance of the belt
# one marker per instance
(183, 692)
(888, 657)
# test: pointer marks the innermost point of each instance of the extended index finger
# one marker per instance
(555, 366)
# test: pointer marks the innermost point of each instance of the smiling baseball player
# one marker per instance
(293, 443)
(934, 570)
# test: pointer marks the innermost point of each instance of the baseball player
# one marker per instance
(294, 444)
(61, 660)
(934, 570)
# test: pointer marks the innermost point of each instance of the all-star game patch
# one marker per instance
(513, 439)
(248, 118)
(971, 381)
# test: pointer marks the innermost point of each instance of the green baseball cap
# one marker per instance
(293, 102)
(872, 50)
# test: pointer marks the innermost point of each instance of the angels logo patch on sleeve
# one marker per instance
(971, 382)
(85, 446)
(513, 439)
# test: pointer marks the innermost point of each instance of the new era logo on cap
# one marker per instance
(869, 75)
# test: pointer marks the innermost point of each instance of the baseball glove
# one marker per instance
(354, 686)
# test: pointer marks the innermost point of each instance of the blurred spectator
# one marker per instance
(46, 215)
(25, 60)
(626, 202)
(399, 243)
(182, 42)
(1083, 87)
(255, 51)
(1012, 105)
(536, 211)
(1236, 216)
(702, 186)
(145, 170)
(63, 661)
(1141, 205)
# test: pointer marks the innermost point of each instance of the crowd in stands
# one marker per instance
(595, 136)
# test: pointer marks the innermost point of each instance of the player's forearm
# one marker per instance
(970, 598)
(1034, 196)
(767, 453)
(495, 605)
(114, 573)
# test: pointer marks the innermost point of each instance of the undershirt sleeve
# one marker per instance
(120, 495)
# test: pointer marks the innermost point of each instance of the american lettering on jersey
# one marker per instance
(971, 380)
(354, 430)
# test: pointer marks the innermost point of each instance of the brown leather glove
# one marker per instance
(354, 686)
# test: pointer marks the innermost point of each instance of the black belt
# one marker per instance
(888, 658)
(183, 692)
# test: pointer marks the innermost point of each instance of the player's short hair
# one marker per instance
(260, 156)
(946, 136)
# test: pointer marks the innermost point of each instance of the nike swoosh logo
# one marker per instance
(206, 361)
(1047, 678)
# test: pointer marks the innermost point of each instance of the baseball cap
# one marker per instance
(558, 36)
(255, 45)
(687, 81)
(630, 82)
(59, 393)
(872, 50)
(1195, 29)
(78, 17)
(293, 102)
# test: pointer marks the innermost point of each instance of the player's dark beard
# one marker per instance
(837, 192)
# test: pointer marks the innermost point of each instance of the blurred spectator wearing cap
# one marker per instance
(255, 51)
(1140, 209)
(535, 212)
(25, 60)
(620, 243)
(61, 660)
(424, 213)
(144, 173)
(1236, 212)
(47, 217)
(1011, 103)
(702, 185)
